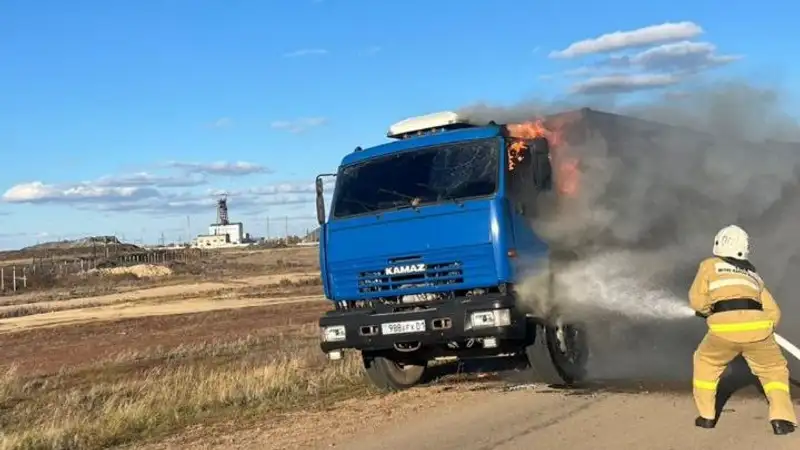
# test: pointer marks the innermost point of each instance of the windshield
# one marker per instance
(451, 172)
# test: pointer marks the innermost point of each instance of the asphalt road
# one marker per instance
(538, 418)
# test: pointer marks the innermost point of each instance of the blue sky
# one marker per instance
(125, 117)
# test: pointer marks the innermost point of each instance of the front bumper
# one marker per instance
(444, 322)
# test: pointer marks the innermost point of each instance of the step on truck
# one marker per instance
(420, 252)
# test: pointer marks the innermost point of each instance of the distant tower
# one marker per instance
(222, 211)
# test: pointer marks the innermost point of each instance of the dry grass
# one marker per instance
(134, 397)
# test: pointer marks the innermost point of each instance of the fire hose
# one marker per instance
(788, 346)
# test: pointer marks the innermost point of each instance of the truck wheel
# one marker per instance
(390, 375)
(558, 354)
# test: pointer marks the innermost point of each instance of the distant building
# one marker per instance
(223, 233)
(211, 240)
(233, 231)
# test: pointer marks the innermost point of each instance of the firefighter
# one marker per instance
(741, 316)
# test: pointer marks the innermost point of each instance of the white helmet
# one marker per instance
(733, 242)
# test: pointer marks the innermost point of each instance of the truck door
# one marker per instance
(528, 175)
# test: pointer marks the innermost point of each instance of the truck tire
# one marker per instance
(557, 354)
(557, 357)
(389, 375)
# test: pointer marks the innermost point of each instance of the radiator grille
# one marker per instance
(410, 273)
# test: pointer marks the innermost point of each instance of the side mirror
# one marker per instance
(320, 202)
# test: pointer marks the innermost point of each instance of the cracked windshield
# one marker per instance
(452, 172)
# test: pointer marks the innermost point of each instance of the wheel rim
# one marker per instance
(568, 348)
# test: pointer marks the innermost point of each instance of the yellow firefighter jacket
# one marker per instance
(718, 281)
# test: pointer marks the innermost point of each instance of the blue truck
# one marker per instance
(422, 248)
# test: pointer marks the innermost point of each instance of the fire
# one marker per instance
(530, 130)
(516, 153)
(567, 173)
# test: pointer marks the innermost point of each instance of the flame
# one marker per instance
(530, 130)
(567, 173)
(516, 153)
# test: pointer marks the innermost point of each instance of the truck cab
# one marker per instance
(426, 238)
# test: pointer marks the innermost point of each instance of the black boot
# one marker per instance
(782, 426)
(702, 422)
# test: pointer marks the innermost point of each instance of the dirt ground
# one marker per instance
(167, 300)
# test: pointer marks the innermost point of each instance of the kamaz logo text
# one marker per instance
(400, 270)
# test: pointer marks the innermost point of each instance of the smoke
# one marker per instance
(649, 203)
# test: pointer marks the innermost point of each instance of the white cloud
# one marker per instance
(38, 192)
(618, 84)
(299, 125)
(620, 40)
(130, 190)
(142, 179)
(238, 168)
(245, 201)
(306, 52)
(654, 67)
(684, 56)
(96, 196)
(127, 187)
(290, 188)
(664, 56)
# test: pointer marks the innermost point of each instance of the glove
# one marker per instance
(700, 315)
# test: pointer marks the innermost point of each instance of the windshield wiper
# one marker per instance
(441, 197)
(407, 202)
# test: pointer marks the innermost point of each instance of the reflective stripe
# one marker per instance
(707, 385)
(744, 326)
(776, 386)
(716, 284)
(724, 268)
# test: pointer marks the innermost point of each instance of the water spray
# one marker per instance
(607, 285)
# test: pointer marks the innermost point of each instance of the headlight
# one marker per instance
(334, 333)
(486, 319)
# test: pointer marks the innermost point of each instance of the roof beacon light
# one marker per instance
(440, 121)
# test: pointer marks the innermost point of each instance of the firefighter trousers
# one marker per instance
(765, 360)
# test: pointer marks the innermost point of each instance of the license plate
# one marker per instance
(409, 326)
